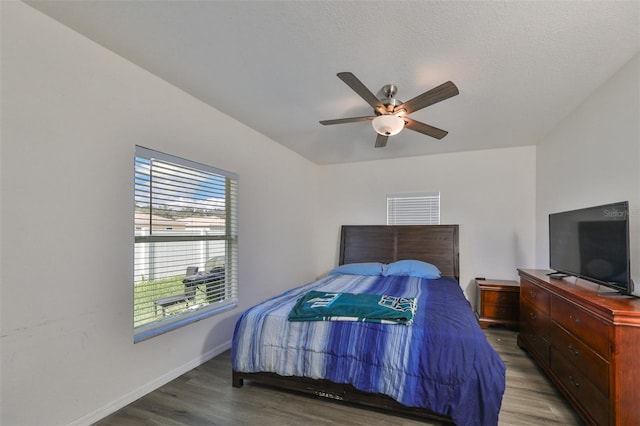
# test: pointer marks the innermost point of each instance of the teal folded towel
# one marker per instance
(330, 306)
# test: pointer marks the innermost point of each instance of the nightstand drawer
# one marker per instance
(499, 302)
(503, 312)
(508, 298)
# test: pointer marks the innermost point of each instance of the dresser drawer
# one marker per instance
(584, 326)
(532, 342)
(537, 320)
(534, 331)
(535, 295)
(581, 389)
(592, 365)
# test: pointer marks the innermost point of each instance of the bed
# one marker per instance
(441, 366)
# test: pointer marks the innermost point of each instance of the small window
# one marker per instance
(413, 209)
(186, 242)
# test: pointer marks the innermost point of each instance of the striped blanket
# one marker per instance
(335, 306)
(442, 362)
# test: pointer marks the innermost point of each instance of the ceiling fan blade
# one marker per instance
(430, 97)
(362, 90)
(381, 141)
(346, 120)
(425, 129)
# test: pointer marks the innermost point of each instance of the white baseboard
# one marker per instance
(130, 397)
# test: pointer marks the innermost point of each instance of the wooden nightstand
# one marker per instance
(499, 302)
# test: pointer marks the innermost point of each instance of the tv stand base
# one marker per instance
(557, 275)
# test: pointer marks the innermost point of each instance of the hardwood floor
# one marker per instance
(204, 396)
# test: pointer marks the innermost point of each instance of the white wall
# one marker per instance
(490, 194)
(71, 115)
(593, 157)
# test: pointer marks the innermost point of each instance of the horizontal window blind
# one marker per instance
(185, 232)
(413, 209)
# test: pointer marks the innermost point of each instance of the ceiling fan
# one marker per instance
(391, 115)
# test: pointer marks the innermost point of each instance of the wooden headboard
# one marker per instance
(436, 244)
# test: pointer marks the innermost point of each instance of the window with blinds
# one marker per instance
(413, 209)
(186, 242)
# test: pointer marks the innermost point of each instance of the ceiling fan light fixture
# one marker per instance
(387, 124)
(392, 115)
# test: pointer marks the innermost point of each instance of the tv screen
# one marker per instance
(593, 244)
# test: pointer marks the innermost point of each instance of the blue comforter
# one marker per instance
(442, 361)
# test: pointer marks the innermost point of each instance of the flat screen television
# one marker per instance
(593, 244)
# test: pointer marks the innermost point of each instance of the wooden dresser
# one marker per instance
(588, 344)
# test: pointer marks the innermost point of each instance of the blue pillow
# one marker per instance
(366, 268)
(412, 268)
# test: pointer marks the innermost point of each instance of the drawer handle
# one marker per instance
(533, 294)
(573, 382)
(574, 351)
(533, 316)
(576, 319)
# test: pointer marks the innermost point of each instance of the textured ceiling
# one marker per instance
(521, 67)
